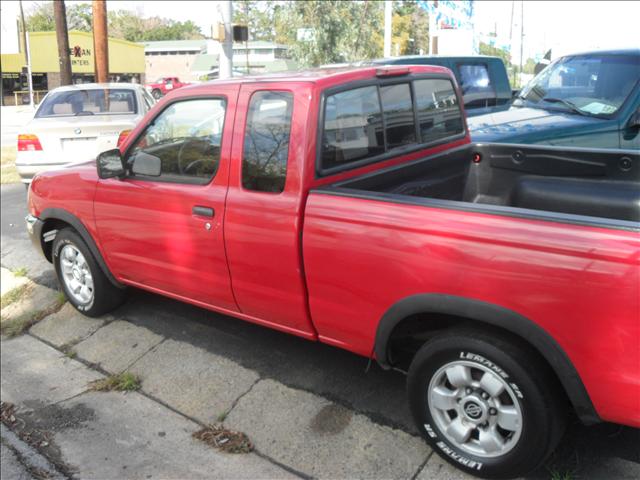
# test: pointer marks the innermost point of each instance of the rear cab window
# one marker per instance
(107, 101)
(475, 83)
(370, 123)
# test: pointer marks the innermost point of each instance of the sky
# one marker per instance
(564, 26)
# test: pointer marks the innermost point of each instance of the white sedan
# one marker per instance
(75, 123)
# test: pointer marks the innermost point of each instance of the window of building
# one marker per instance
(266, 141)
(186, 137)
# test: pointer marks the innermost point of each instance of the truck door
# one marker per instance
(165, 232)
(265, 203)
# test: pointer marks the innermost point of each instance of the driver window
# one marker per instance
(186, 137)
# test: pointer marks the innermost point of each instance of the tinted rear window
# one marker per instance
(89, 102)
(366, 122)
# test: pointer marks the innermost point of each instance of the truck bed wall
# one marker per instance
(595, 183)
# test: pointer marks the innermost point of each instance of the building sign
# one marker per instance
(450, 14)
(80, 56)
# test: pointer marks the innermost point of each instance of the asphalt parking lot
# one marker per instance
(605, 451)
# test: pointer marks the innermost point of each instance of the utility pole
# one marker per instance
(27, 55)
(100, 41)
(62, 35)
(513, 4)
(388, 21)
(225, 69)
(521, 39)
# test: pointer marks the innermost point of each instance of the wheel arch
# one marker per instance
(478, 312)
(57, 218)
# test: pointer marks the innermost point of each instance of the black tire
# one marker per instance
(156, 93)
(106, 296)
(542, 403)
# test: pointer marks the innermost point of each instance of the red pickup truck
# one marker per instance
(348, 206)
(164, 85)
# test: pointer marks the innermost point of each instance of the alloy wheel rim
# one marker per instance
(76, 274)
(475, 409)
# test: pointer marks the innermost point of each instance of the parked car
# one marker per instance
(483, 79)
(164, 85)
(584, 100)
(338, 206)
(75, 123)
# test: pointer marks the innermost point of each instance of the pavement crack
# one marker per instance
(241, 396)
(422, 465)
(149, 350)
(289, 469)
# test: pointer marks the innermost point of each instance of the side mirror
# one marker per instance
(147, 165)
(110, 164)
(634, 121)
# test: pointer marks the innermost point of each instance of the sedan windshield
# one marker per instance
(108, 101)
(594, 85)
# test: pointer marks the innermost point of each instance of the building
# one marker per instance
(126, 64)
(172, 58)
(192, 60)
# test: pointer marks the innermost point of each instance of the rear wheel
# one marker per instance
(84, 283)
(488, 405)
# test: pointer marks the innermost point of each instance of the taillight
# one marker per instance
(123, 136)
(28, 143)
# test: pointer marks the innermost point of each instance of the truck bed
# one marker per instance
(561, 184)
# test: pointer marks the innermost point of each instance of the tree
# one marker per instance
(340, 31)
(486, 49)
(410, 30)
(41, 19)
(122, 24)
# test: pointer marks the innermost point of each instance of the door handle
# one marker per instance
(203, 211)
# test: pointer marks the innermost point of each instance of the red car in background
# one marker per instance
(348, 206)
(164, 85)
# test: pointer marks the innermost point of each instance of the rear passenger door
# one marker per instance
(265, 202)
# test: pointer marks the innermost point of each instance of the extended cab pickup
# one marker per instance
(349, 207)
(164, 85)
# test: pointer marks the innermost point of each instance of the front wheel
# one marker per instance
(487, 404)
(84, 283)
(156, 93)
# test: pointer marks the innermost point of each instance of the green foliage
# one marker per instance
(410, 32)
(341, 31)
(123, 382)
(121, 24)
(486, 49)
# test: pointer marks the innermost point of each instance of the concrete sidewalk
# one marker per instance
(46, 374)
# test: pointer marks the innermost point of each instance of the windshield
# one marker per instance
(68, 103)
(588, 85)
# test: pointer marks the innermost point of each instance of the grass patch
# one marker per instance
(68, 350)
(561, 475)
(222, 417)
(8, 172)
(61, 299)
(20, 272)
(14, 295)
(123, 382)
(223, 439)
(17, 326)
